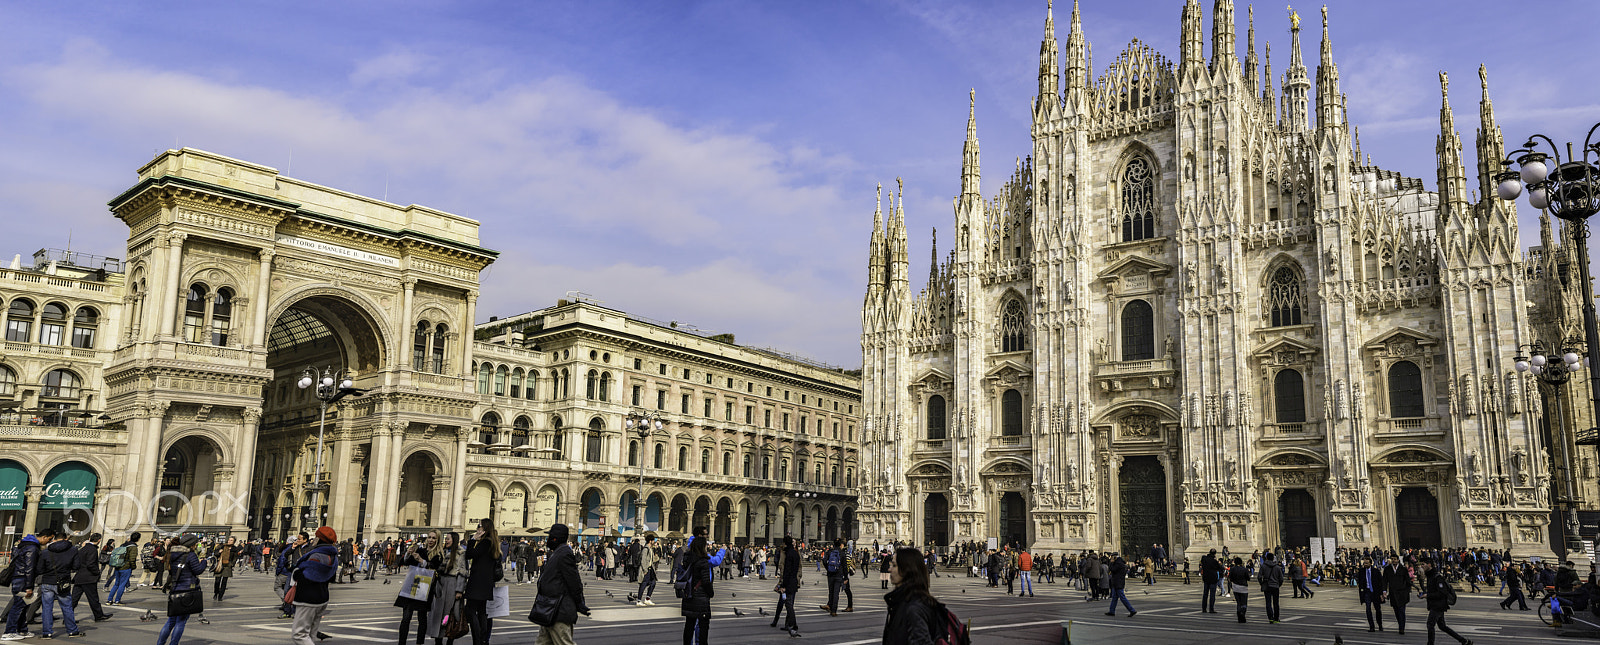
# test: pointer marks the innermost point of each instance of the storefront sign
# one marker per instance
(13, 483)
(69, 486)
(341, 251)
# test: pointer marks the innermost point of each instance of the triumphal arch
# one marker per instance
(238, 279)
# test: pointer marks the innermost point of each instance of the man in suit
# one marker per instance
(1369, 581)
(559, 579)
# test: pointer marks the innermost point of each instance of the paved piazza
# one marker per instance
(361, 613)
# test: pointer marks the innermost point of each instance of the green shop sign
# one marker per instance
(13, 483)
(69, 486)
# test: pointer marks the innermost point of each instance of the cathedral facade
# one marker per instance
(1195, 316)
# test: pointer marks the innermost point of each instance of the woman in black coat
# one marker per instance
(417, 556)
(912, 610)
(483, 556)
(696, 604)
(1397, 582)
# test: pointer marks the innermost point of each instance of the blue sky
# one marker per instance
(707, 162)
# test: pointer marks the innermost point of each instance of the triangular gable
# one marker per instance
(1131, 263)
(1382, 342)
(1279, 344)
(931, 374)
(1004, 366)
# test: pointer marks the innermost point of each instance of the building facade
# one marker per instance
(1195, 316)
(163, 391)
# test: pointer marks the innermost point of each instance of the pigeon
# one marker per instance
(387, 581)
(963, 591)
(609, 594)
(738, 612)
(761, 610)
(1338, 640)
(735, 595)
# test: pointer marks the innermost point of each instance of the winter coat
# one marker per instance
(26, 559)
(1398, 583)
(559, 579)
(183, 568)
(911, 619)
(312, 573)
(419, 559)
(697, 602)
(1438, 592)
(227, 556)
(1210, 568)
(790, 580)
(480, 570)
(450, 577)
(1271, 575)
(86, 567)
(1119, 574)
(55, 565)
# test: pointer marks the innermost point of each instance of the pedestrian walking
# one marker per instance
(287, 557)
(55, 572)
(222, 568)
(1211, 576)
(913, 611)
(1024, 573)
(122, 560)
(310, 578)
(647, 568)
(1271, 579)
(698, 590)
(834, 564)
(183, 574)
(418, 556)
(1369, 582)
(1238, 580)
(1440, 597)
(86, 574)
(788, 586)
(1397, 583)
(1512, 579)
(449, 577)
(883, 570)
(560, 587)
(1119, 583)
(483, 560)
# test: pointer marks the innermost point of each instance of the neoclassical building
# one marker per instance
(1195, 315)
(162, 391)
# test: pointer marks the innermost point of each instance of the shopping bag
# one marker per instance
(418, 583)
(500, 605)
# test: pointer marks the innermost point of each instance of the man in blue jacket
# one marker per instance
(311, 575)
(25, 563)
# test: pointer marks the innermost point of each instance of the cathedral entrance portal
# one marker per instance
(1013, 519)
(1297, 517)
(1417, 519)
(1142, 487)
(936, 519)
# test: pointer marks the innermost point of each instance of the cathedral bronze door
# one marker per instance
(1416, 518)
(1013, 519)
(1142, 488)
(1297, 517)
(936, 520)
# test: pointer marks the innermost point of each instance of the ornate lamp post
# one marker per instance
(328, 394)
(1555, 370)
(643, 425)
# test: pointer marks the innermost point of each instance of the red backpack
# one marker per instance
(953, 631)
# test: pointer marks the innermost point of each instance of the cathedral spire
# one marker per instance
(1491, 146)
(1269, 95)
(875, 268)
(933, 265)
(1296, 85)
(969, 152)
(1193, 56)
(1250, 63)
(1077, 55)
(899, 259)
(1330, 101)
(1452, 173)
(1049, 66)
(1224, 51)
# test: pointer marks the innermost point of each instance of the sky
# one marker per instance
(712, 163)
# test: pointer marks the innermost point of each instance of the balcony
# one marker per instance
(1010, 442)
(1302, 432)
(1408, 429)
(1117, 376)
(67, 434)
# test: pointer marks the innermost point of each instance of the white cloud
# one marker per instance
(393, 66)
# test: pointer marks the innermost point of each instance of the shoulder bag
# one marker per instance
(185, 603)
(544, 610)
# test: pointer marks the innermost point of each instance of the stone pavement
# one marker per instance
(1168, 614)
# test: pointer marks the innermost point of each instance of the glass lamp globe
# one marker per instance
(305, 382)
(1537, 198)
(1538, 360)
(1536, 369)
(1522, 366)
(327, 381)
(1534, 171)
(1509, 189)
(1569, 358)
(1573, 367)
(346, 384)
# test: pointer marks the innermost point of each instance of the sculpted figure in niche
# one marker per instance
(1514, 393)
(1167, 352)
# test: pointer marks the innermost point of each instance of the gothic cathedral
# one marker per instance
(1195, 317)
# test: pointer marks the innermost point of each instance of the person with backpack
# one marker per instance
(122, 559)
(86, 577)
(833, 564)
(287, 556)
(315, 568)
(1271, 578)
(697, 592)
(1440, 597)
(185, 568)
(915, 616)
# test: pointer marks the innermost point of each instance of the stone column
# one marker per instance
(244, 459)
(467, 335)
(258, 328)
(408, 328)
(30, 517)
(458, 477)
(381, 480)
(143, 469)
(171, 288)
(439, 503)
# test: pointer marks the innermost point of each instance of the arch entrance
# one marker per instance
(187, 477)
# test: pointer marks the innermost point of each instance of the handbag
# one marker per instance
(457, 626)
(544, 610)
(185, 603)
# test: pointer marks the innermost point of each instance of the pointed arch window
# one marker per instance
(1138, 332)
(1289, 396)
(1013, 327)
(1138, 201)
(1405, 390)
(1285, 298)
(936, 417)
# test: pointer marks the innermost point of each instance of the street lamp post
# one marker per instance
(1554, 371)
(327, 394)
(643, 425)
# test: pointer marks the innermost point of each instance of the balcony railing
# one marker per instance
(67, 433)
